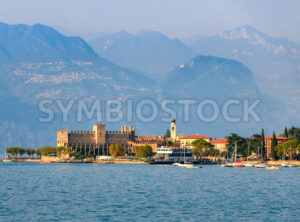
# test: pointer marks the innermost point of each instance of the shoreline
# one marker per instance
(139, 162)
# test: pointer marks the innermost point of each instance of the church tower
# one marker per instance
(173, 129)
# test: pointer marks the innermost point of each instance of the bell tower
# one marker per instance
(173, 129)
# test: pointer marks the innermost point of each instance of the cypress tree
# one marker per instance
(263, 145)
(286, 134)
(273, 147)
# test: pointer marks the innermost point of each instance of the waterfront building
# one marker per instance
(268, 141)
(96, 140)
(153, 141)
(186, 141)
(220, 144)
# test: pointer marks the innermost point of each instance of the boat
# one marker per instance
(273, 168)
(260, 165)
(238, 164)
(227, 165)
(248, 165)
(45, 162)
(292, 165)
(184, 164)
(284, 165)
(6, 160)
(171, 155)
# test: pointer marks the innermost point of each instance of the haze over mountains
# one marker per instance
(149, 52)
(38, 62)
(275, 62)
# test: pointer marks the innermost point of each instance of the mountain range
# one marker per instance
(38, 62)
(148, 52)
(275, 62)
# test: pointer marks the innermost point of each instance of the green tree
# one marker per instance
(30, 152)
(286, 134)
(62, 150)
(273, 147)
(263, 144)
(291, 147)
(47, 150)
(21, 152)
(144, 151)
(167, 134)
(200, 146)
(242, 145)
(116, 150)
(280, 151)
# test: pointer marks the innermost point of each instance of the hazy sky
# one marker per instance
(175, 18)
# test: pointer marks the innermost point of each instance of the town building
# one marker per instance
(268, 141)
(186, 141)
(153, 141)
(220, 144)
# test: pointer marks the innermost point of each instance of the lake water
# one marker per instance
(94, 192)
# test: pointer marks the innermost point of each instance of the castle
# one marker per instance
(96, 140)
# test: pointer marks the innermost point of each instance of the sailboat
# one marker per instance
(184, 164)
(6, 160)
(261, 164)
(237, 163)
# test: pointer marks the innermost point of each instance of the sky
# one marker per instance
(175, 18)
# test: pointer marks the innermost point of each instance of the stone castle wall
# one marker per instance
(97, 137)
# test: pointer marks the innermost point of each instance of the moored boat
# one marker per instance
(260, 165)
(45, 162)
(273, 168)
(238, 164)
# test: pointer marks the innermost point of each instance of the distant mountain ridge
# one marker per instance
(275, 62)
(149, 52)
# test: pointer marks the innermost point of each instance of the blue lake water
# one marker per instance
(94, 192)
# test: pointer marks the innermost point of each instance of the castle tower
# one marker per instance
(99, 130)
(173, 129)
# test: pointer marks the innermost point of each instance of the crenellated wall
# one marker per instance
(98, 136)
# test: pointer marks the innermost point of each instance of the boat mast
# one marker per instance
(235, 150)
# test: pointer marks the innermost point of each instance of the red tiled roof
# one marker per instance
(277, 137)
(221, 140)
(195, 137)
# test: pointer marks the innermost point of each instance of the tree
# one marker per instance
(116, 150)
(263, 145)
(291, 147)
(286, 134)
(47, 150)
(62, 150)
(30, 152)
(144, 151)
(242, 145)
(273, 147)
(281, 151)
(167, 134)
(200, 146)
(21, 152)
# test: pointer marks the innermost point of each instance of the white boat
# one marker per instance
(292, 165)
(273, 168)
(248, 165)
(184, 164)
(260, 165)
(228, 165)
(6, 160)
